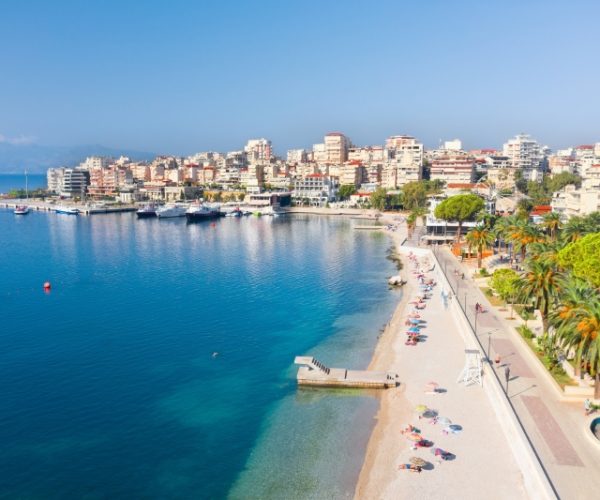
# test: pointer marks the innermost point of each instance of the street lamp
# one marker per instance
(477, 314)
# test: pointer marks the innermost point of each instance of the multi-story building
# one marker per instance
(54, 177)
(572, 201)
(526, 154)
(109, 181)
(95, 162)
(454, 167)
(315, 190)
(74, 182)
(336, 146)
(296, 156)
(352, 173)
(253, 178)
(403, 161)
(368, 155)
(258, 151)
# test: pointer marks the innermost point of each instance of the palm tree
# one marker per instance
(574, 229)
(522, 234)
(552, 223)
(566, 317)
(546, 251)
(501, 228)
(480, 237)
(541, 283)
(586, 337)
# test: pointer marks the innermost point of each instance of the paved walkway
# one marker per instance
(558, 430)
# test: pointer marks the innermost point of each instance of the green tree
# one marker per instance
(505, 283)
(414, 195)
(582, 257)
(379, 199)
(346, 190)
(459, 208)
(559, 181)
(480, 237)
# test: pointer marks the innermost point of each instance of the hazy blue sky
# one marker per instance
(177, 77)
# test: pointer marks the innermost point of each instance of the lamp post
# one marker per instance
(489, 354)
(507, 377)
(477, 314)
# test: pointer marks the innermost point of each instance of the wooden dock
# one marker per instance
(313, 372)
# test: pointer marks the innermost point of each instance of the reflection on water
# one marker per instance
(109, 387)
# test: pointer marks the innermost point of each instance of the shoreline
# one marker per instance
(392, 403)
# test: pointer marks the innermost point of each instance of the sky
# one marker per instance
(175, 77)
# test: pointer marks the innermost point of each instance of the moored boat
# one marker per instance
(172, 210)
(62, 209)
(146, 211)
(21, 210)
(200, 211)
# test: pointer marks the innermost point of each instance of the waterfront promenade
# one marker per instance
(485, 464)
(558, 428)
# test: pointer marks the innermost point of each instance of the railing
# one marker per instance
(463, 308)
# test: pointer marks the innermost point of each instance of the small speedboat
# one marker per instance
(21, 210)
(146, 211)
(66, 210)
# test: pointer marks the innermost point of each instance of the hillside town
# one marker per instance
(338, 173)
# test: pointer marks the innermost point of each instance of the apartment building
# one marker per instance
(454, 167)
(403, 161)
(258, 151)
(315, 189)
(528, 155)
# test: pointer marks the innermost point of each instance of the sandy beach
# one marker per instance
(484, 464)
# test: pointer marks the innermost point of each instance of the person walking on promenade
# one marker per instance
(588, 407)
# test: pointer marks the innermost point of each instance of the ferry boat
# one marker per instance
(202, 212)
(66, 210)
(21, 210)
(146, 211)
(172, 210)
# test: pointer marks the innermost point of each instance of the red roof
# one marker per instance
(585, 146)
(314, 175)
(541, 210)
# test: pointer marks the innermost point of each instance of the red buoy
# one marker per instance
(47, 286)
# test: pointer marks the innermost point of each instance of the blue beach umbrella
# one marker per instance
(413, 329)
(414, 321)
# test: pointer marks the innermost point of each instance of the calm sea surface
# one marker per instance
(17, 181)
(108, 384)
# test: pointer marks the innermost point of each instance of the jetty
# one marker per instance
(313, 372)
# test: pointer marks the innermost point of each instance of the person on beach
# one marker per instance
(410, 467)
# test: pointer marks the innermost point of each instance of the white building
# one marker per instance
(95, 162)
(453, 145)
(258, 151)
(403, 161)
(571, 201)
(454, 167)
(336, 146)
(526, 154)
(315, 189)
(296, 156)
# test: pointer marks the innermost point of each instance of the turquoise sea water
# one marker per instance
(17, 181)
(109, 387)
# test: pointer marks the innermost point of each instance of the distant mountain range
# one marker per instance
(36, 158)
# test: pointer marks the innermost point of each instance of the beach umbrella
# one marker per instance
(418, 461)
(444, 421)
(420, 408)
(414, 321)
(455, 428)
(430, 413)
(413, 436)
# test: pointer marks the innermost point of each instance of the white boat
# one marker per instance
(21, 210)
(62, 209)
(176, 209)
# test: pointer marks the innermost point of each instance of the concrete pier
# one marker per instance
(51, 207)
(313, 372)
